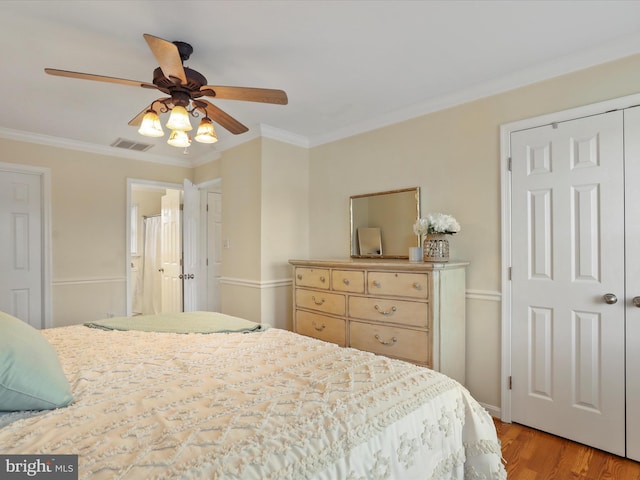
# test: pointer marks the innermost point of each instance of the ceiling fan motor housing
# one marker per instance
(195, 80)
(184, 49)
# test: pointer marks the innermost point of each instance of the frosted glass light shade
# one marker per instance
(179, 119)
(178, 138)
(150, 126)
(206, 133)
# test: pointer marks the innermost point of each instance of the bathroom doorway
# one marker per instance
(173, 251)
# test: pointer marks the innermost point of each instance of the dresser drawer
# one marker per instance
(312, 277)
(414, 285)
(351, 281)
(325, 328)
(411, 345)
(325, 302)
(402, 312)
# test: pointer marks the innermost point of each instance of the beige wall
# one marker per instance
(285, 226)
(88, 221)
(265, 221)
(285, 207)
(453, 155)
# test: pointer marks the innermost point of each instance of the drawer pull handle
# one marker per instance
(299, 276)
(346, 281)
(320, 328)
(388, 312)
(316, 301)
(376, 283)
(322, 279)
(390, 342)
(417, 286)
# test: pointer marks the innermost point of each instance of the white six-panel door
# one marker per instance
(568, 330)
(21, 246)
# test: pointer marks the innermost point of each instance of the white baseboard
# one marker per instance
(494, 411)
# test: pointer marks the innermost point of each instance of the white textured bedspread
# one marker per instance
(266, 405)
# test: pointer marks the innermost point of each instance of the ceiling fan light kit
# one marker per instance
(178, 138)
(185, 88)
(151, 126)
(179, 119)
(206, 133)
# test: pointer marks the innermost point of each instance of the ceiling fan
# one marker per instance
(185, 88)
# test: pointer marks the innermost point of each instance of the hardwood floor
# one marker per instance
(534, 455)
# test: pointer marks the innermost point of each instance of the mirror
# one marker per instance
(383, 222)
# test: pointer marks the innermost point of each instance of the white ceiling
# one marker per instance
(347, 66)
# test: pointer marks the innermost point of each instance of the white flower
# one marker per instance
(436, 223)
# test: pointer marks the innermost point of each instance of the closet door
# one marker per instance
(568, 336)
(632, 300)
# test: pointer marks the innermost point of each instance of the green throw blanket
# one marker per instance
(187, 322)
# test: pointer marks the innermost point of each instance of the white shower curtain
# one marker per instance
(151, 288)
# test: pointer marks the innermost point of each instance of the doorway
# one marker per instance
(145, 276)
(184, 277)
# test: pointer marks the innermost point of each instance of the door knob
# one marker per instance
(610, 298)
(636, 301)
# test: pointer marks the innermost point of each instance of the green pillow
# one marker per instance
(31, 377)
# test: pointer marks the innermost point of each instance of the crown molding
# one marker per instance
(284, 136)
(67, 143)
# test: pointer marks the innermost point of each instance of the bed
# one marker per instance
(246, 403)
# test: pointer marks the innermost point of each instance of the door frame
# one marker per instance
(505, 222)
(45, 185)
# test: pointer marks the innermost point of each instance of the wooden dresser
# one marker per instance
(411, 311)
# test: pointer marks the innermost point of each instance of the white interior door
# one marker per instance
(568, 343)
(21, 246)
(193, 270)
(171, 248)
(632, 229)
(214, 250)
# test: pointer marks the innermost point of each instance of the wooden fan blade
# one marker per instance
(99, 78)
(247, 94)
(137, 120)
(224, 119)
(168, 58)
